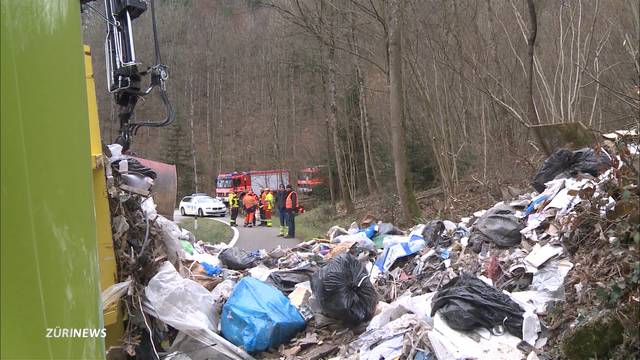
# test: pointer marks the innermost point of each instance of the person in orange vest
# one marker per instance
(267, 206)
(291, 207)
(250, 203)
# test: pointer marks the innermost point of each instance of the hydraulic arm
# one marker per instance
(124, 73)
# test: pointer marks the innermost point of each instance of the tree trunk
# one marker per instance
(325, 107)
(193, 140)
(210, 150)
(362, 105)
(531, 42)
(221, 124)
(293, 125)
(333, 119)
(403, 180)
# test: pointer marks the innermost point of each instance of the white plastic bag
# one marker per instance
(114, 292)
(189, 307)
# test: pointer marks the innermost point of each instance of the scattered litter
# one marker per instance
(480, 287)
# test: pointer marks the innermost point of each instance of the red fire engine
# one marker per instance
(241, 182)
(309, 178)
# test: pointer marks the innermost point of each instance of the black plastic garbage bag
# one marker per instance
(236, 259)
(500, 225)
(286, 280)
(432, 232)
(467, 303)
(388, 229)
(135, 167)
(344, 291)
(569, 163)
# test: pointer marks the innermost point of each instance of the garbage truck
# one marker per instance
(56, 241)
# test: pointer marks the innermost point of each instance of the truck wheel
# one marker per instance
(182, 212)
(200, 213)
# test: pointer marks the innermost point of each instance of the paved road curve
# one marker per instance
(259, 237)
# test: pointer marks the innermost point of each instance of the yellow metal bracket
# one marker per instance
(108, 276)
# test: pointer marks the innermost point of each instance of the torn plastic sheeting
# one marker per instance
(396, 251)
(403, 305)
(194, 349)
(389, 240)
(538, 299)
(114, 292)
(565, 202)
(189, 307)
(360, 238)
(387, 349)
(385, 342)
(336, 231)
(530, 322)
(551, 277)
(258, 316)
(416, 232)
(541, 254)
(260, 272)
(205, 258)
(120, 226)
(450, 344)
(170, 232)
(467, 303)
(223, 290)
(287, 280)
(343, 291)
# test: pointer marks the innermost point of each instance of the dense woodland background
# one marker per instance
(377, 90)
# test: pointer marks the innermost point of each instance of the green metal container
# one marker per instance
(50, 275)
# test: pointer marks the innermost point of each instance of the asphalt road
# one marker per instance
(254, 238)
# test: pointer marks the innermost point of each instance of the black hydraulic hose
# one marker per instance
(155, 32)
(167, 120)
(133, 127)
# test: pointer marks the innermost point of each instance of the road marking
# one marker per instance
(236, 233)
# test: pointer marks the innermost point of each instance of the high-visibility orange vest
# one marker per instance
(250, 200)
(288, 204)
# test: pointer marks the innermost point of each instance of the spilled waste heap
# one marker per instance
(550, 274)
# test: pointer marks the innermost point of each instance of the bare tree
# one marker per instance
(403, 179)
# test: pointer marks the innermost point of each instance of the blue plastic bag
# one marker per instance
(370, 231)
(258, 316)
(210, 269)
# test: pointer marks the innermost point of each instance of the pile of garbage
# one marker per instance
(490, 285)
